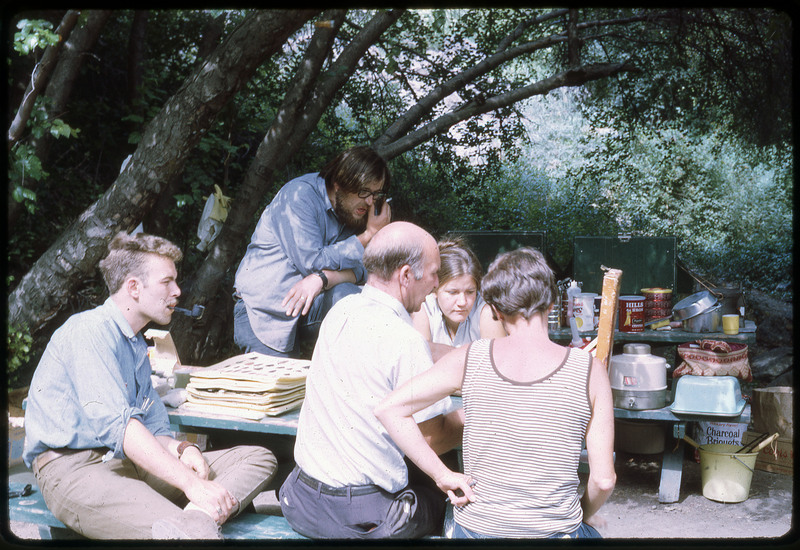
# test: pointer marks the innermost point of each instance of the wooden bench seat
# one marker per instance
(32, 509)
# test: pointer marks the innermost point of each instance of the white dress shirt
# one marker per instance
(367, 347)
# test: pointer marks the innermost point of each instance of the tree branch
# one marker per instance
(571, 77)
(41, 73)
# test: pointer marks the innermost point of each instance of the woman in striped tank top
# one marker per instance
(529, 405)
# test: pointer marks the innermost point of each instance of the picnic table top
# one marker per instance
(747, 335)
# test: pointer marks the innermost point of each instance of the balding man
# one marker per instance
(351, 480)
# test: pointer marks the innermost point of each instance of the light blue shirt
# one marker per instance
(93, 377)
(366, 348)
(298, 234)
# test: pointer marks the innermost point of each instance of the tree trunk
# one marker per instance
(574, 46)
(59, 88)
(157, 221)
(136, 42)
(161, 154)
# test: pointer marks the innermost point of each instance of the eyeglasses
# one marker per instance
(376, 195)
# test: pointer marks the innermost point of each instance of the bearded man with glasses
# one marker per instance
(305, 253)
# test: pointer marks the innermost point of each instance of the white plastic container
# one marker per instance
(708, 395)
(726, 474)
(572, 292)
(583, 308)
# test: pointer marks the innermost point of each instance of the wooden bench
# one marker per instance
(32, 509)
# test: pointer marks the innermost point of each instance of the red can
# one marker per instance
(631, 313)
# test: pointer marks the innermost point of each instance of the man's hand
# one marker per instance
(211, 497)
(375, 223)
(193, 458)
(298, 300)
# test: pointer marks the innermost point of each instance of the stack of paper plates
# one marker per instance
(252, 386)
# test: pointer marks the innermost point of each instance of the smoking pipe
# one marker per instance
(195, 313)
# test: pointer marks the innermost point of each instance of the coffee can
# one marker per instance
(631, 313)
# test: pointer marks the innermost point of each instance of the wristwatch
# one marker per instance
(183, 445)
(324, 279)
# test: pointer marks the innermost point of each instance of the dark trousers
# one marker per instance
(316, 510)
(307, 328)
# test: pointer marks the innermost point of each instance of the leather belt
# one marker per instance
(352, 490)
(48, 456)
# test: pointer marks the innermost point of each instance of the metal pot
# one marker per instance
(693, 305)
(707, 321)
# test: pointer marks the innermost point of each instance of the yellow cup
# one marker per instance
(730, 323)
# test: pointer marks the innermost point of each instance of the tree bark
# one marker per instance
(161, 154)
(136, 42)
(574, 46)
(157, 221)
(58, 91)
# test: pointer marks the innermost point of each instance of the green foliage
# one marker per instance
(19, 345)
(33, 34)
(23, 163)
(731, 212)
(651, 152)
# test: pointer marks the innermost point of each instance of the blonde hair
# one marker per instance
(127, 254)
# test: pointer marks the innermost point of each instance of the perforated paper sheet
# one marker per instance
(251, 383)
(268, 372)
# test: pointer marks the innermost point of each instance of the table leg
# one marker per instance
(672, 470)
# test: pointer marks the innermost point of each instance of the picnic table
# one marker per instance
(183, 420)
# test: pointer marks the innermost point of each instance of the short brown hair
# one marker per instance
(127, 254)
(355, 168)
(520, 282)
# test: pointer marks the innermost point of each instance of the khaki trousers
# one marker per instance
(118, 500)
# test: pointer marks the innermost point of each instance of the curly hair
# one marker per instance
(127, 255)
(520, 282)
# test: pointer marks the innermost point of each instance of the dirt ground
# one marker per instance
(633, 510)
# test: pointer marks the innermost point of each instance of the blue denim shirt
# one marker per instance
(298, 234)
(93, 377)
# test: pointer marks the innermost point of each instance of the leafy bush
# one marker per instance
(19, 348)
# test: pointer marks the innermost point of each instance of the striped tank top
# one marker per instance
(522, 443)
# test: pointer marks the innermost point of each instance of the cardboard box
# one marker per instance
(772, 410)
(163, 355)
(777, 457)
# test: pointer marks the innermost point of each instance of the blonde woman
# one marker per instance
(455, 314)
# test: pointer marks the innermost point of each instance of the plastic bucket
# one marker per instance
(725, 475)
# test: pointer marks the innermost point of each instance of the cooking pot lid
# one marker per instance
(636, 349)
